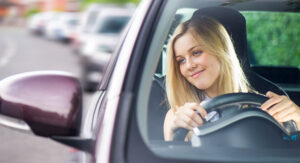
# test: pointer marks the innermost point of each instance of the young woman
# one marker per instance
(202, 64)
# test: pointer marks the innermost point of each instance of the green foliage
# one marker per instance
(274, 37)
(85, 3)
(31, 12)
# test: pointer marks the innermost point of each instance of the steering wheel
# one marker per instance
(228, 104)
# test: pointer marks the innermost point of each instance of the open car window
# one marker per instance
(273, 38)
(254, 141)
(273, 47)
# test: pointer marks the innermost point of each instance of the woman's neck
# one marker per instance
(212, 92)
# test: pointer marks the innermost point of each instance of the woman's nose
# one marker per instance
(190, 64)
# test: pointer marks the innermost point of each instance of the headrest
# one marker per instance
(235, 24)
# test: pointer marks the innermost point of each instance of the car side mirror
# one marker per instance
(49, 102)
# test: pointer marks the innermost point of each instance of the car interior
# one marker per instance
(235, 24)
(261, 78)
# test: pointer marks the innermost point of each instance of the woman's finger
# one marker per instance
(272, 101)
(286, 118)
(196, 109)
(294, 114)
(201, 111)
(279, 107)
(282, 116)
(188, 116)
(271, 94)
(194, 116)
(182, 124)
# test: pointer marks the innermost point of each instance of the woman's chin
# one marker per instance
(202, 87)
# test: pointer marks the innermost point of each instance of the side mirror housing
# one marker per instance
(49, 102)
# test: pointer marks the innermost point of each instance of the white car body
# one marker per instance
(38, 22)
(62, 26)
(87, 21)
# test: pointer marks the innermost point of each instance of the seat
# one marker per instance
(157, 108)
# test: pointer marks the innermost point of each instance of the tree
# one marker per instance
(85, 3)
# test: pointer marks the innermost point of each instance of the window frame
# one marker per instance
(127, 133)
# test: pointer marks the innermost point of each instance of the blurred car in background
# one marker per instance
(100, 43)
(62, 25)
(86, 23)
(38, 22)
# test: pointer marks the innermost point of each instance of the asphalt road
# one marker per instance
(21, 51)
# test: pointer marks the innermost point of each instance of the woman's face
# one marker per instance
(195, 63)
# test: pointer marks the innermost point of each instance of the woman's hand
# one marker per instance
(187, 116)
(281, 108)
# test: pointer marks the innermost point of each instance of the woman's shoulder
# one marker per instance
(169, 116)
(170, 112)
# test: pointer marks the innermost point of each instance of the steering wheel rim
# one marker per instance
(241, 100)
(234, 98)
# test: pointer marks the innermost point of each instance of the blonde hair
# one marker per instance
(215, 39)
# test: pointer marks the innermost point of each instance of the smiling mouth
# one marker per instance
(197, 74)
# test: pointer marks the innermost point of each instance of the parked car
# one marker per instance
(62, 26)
(124, 121)
(100, 43)
(38, 22)
(86, 24)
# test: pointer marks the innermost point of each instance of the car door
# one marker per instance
(129, 141)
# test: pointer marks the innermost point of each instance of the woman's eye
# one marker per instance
(180, 61)
(197, 52)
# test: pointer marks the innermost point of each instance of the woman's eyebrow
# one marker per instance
(193, 47)
(188, 50)
(178, 56)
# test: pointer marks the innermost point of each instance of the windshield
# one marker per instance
(113, 25)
